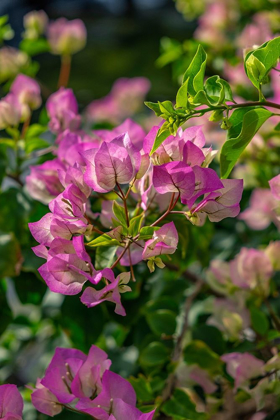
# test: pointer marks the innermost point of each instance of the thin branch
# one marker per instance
(178, 349)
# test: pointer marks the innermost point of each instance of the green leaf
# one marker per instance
(4, 19)
(142, 388)
(146, 232)
(216, 91)
(103, 240)
(135, 224)
(211, 336)
(195, 72)
(259, 321)
(197, 352)
(161, 136)
(245, 123)
(166, 108)
(104, 257)
(3, 162)
(35, 143)
(154, 107)
(182, 95)
(119, 212)
(6, 314)
(35, 130)
(34, 46)
(154, 354)
(180, 407)
(10, 255)
(162, 302)
(162, 321)
(259, 62)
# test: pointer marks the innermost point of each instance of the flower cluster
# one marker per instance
(84, 382)
(124, 100)
(246, 277)
(89, 166)
(264, 206)
(16, 107)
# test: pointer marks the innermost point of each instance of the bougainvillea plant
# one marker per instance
(124, 212)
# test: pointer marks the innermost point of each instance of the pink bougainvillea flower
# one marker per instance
(11, 403)
(164, 241)
(117, 400)
(243, 367)
(135, 131)
(27, 91)
(174, 177)
(62, 108)
(111, 292)
(68, 265)
(251, 269)
(87, 382)
(60, 373)
(206, 181)
(114, 162)
(222, 203)
(274, 184)
(186, 146)
(67, 37)
(45, 401)
(260, 212)
(124, 100)
(43, 183)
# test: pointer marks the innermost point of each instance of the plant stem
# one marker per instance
(178, 349)
(243, 105)
(273, 315)
(171, 206)
(64, 71)
(25, 127)
(120, 256)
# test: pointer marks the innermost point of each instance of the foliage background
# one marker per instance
(123, 41)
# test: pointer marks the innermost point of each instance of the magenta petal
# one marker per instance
(41, 230)
(11, 402)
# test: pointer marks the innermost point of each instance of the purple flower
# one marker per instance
(27, 91)
(174, 177)
(186, 146)
(117, 400)
(260, 212)
(66, 37)
(206, 181)
(274, 184)
(11, 403)
(68, 266)
(111, 292)
(223, 202)
(62, 108)
(43, 183)
(114, 162)
(251, 269)
(124, 100)
(61, 371)
(242, 367)
(164, 241)
(87, 382)
(45, 401)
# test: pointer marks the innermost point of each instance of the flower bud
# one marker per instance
(35, 24)
(27, 91)
(10, 111)
(66, 37)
